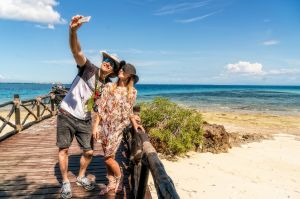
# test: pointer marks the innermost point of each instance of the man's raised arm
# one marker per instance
(74, 42)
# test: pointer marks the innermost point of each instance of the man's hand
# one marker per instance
(75, 24)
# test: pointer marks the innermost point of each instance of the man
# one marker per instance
(74, 116)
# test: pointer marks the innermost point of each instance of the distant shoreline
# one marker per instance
(166, 84)
(278, 100)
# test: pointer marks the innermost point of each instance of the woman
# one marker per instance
(115, 112)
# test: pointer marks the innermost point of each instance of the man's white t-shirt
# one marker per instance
(82, 88)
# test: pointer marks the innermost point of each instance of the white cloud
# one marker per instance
(256, 69)
(1, 77)
(130, 51)
(244, 67)
(40, 11)
(155, 63)
(195, 18)
(59, 62)
(180, 7)
(270, 42)
(292, 62)
(284, 71)
(135, 51)
(49, 26)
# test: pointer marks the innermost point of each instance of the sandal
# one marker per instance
(111, 185)
(119, 182)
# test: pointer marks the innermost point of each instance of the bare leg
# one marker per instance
(85, 160)
(109, 171)
(113, 166)
(63, 160)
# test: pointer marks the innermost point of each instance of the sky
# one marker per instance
(170, 42)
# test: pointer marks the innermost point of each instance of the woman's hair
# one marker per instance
(130, 87)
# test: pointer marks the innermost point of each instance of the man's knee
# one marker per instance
(63, 151)
(88, 153)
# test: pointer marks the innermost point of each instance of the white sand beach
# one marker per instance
(267, 169)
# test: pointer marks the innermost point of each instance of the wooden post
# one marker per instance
(143, 181)
(52, 101)
(145, 159)
(17, 103)
(38, 108)
(163, 183)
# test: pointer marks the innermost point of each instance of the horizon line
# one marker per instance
(188, 84)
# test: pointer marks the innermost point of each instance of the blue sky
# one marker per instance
(170, 42)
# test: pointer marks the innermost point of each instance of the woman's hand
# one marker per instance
(139, 127)
(96, 134)
(136, 123)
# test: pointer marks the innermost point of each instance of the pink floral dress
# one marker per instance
(114, 109)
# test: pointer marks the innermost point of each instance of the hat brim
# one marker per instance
(136, 78)
(115, 59)
(106, 55)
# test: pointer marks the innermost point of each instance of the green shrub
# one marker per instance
(173, 129)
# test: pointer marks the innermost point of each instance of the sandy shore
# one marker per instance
(262, 123)
(269, 169)
(8, 128)
(266, 169)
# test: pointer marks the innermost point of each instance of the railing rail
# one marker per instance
(20, 115)
(143, 158)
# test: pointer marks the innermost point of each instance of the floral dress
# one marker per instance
(114, 109)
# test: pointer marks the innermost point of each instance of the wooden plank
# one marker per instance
(29, 165)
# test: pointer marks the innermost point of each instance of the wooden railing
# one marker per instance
(20, 115)
(143, 158)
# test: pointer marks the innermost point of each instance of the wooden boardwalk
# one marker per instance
(29, 165)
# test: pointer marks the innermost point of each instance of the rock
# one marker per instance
(236, 139)
(215, 138)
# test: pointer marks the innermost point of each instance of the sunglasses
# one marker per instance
(110, 61)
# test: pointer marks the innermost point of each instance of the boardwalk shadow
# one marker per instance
(20, 187)
(7, 187)
(96, 171)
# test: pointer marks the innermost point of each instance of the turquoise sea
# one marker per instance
(266, 99)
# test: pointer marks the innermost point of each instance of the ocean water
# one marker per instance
(265, 99)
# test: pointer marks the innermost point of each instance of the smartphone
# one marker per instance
(84, 19)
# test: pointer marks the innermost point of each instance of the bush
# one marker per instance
(173, 129)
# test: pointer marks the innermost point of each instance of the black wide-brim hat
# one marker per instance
(130, 69)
